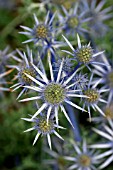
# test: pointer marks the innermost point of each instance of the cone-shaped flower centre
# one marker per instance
(24, 78)
(85, 160)
(68, 4)
(92, 95)
(61, 161)
(73, 22)
(45, 127)
(84, 54)
(42, 31)
(54, 93)
(109, 111)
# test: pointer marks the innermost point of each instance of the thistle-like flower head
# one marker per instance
(24, 67)
(43, 128)
(57, 155)
(84, 159)
(53, 93)
(105, 76)
(41, 31)
(93, 97)
(73, 20)
(98, 14)
(84, 54)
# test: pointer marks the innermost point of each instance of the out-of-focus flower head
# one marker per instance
(57, 154)
(73, 20)
(84, 158)
(3, 81)
(84, 54)
(67, 66)
(44, 128)
(53, 93)
(99, 14)
(108, 111)
(4, 56)
(106, 133)
(82, 80)
(105, 76)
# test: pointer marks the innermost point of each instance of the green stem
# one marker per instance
(9, 28)
(16, 21)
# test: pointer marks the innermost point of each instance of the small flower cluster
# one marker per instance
(53, 94)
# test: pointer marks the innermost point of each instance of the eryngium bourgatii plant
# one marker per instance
(68, 84)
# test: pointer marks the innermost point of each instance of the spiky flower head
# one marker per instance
(73, 20)
(84, 159)
(84, 54)
(43, 128)
(92, 100)
(53, 93)
(41, 31)
(105, 76)
(99, 14)
(24, 67)
(57, 155)
(94, 96)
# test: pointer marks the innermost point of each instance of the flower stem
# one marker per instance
(73, 118)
